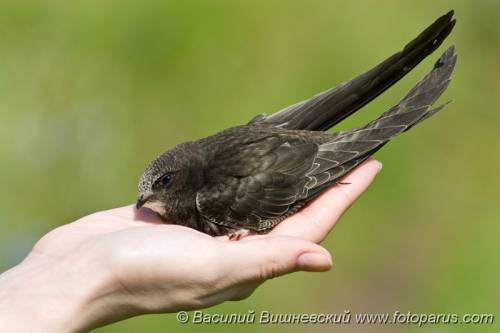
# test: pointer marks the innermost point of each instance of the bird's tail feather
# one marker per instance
(332, 106)
(349, 148)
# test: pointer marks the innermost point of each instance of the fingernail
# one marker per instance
(379, 164)
(314, 262)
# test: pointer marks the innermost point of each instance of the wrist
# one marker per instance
(46, 294)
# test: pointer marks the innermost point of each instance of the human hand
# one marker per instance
(124, 262)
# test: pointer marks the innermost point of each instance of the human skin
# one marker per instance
(124, 262)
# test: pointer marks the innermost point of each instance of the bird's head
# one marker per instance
(167, 180)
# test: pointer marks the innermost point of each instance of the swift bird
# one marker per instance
(251, 177)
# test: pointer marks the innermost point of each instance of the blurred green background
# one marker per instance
(90, 91)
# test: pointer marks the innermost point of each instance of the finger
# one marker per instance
(315, 221)
(259, 259)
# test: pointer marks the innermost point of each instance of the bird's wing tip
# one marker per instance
(448, 58)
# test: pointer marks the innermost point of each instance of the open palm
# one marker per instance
(158, 267)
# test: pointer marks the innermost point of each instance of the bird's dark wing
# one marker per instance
(259, 175)
(258, 182)
(332, 106)
(348, 149)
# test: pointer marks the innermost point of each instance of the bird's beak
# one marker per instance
(143, 198)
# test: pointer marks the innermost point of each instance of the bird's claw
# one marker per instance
(238, 234)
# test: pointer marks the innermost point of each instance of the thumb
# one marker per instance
(264, 258)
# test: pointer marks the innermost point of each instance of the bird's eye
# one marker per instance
(165, 180)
